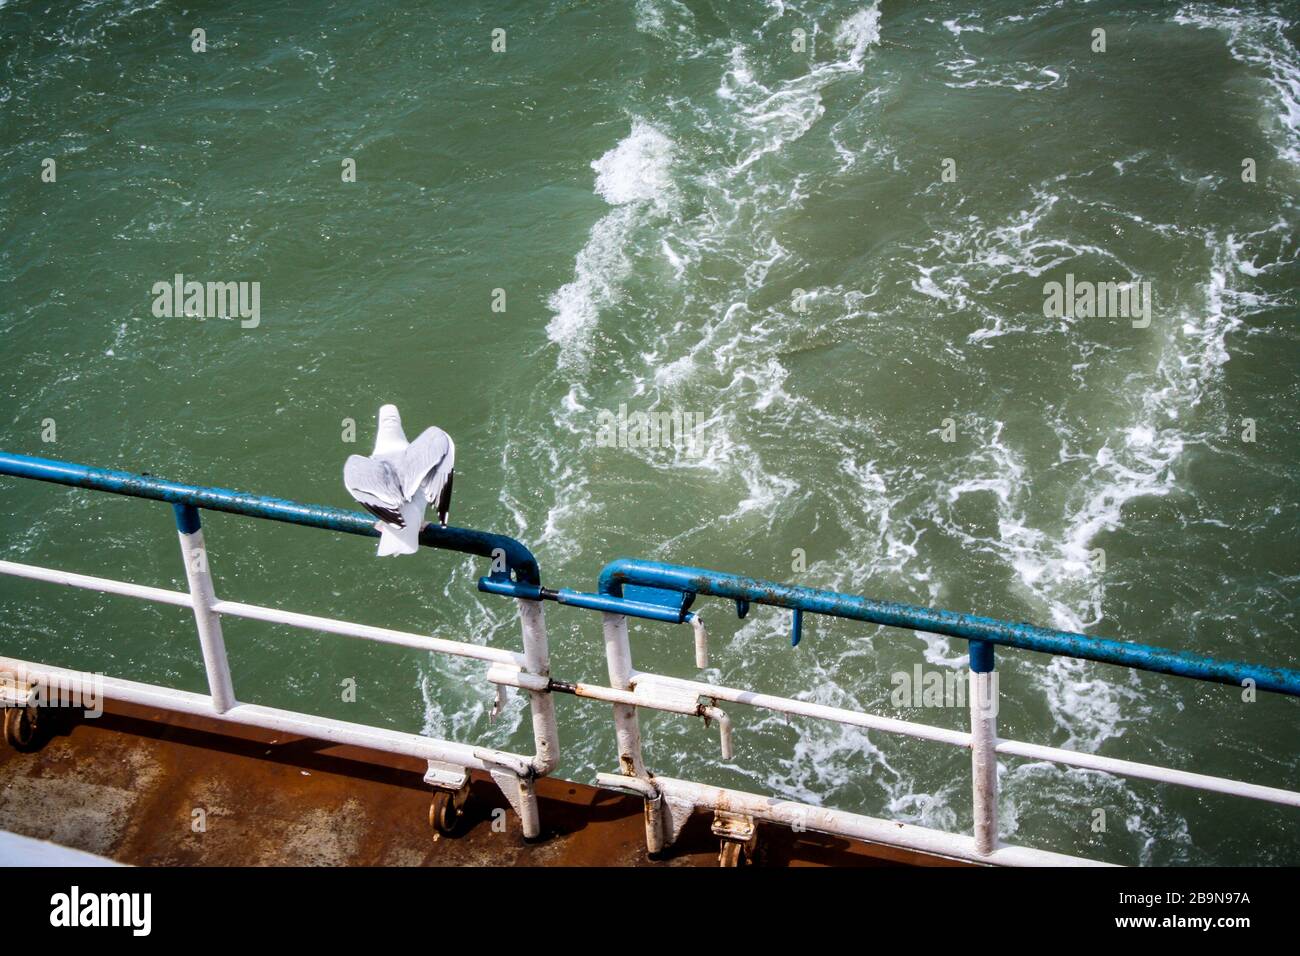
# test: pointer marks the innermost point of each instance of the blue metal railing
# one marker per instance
(676, 585)
(663, 592)
(977, 630)
(509, 556)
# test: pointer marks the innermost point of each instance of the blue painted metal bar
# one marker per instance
(591, 602)
(187, 518)
(517, 558)
(620, 605)
(503, 586)
(967, 626)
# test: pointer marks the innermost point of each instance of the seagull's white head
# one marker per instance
(389, 437)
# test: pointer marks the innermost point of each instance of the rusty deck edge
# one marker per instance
(148, 786)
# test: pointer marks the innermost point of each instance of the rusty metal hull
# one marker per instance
(152, 787)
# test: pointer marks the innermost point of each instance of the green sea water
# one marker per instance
(825, 229)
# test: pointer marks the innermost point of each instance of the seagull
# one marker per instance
(400, 479)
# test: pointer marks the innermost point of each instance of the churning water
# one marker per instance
(831, 248)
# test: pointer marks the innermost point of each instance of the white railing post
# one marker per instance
(537, 661)
(627, 732)
(984, 738)
(618, 655)
(202, 596)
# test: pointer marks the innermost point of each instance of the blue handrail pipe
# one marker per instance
(982, 632)
(516, 558)
(664, 592)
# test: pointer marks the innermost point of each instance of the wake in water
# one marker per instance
(1260, 41)
(822, 232)
(634, 177)
(702, 287)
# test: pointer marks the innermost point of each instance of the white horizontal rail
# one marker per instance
(271, 615)
(283, 721)
(1146, 771)
(801, 708)
(383, 635)
(107, 585)
(957, 738)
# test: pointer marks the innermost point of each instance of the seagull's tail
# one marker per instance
(394, 540)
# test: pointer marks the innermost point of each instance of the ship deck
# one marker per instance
(130, 785)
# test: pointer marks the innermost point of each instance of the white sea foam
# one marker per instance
(857, 33)
(1067, 795)
(667, 20)
(963, 264)
(742, 193)
(636, 178)
(638, 169)
(601, 265)
(1260, 41)
(773, 116)
(969, 74)
(957, 29)
(740, 201)
(1141, 462)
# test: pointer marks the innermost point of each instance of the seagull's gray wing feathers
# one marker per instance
(426, 463)
(376, 487)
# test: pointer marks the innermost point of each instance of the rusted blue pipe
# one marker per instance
(591, 602)
(517, 558)
(982, 632)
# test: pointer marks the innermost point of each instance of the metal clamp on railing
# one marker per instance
(666, 605)
(650, 603)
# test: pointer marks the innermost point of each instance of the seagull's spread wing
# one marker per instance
(426, 463)
(376, 487)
